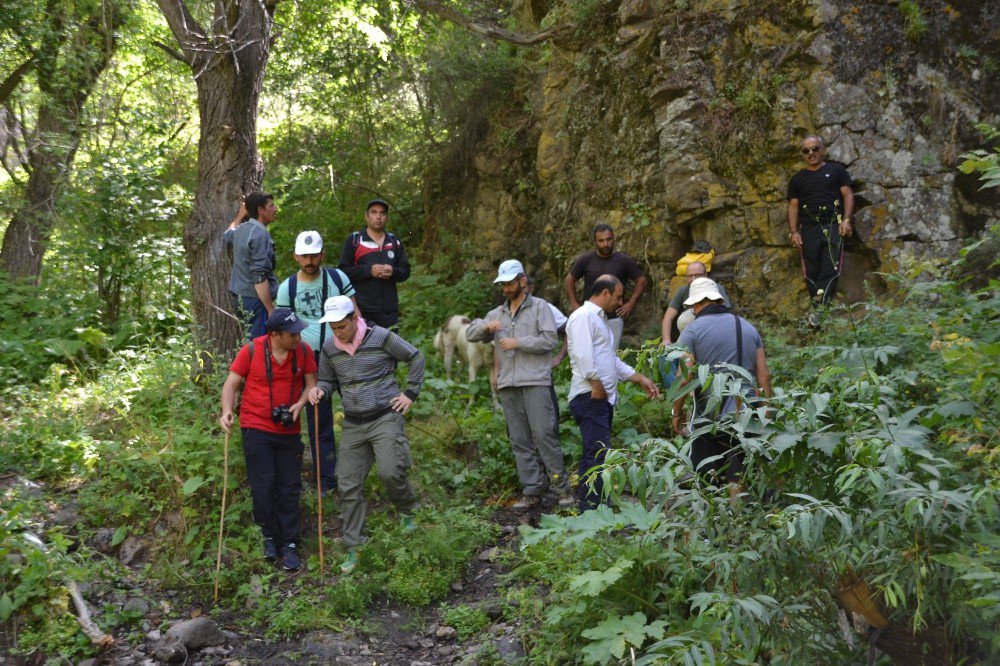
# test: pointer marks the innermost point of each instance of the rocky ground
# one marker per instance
(176, 630)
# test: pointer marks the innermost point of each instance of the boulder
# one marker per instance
(196, 633)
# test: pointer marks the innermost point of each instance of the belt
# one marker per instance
(361, 419)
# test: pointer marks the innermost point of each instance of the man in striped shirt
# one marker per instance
(359, 361)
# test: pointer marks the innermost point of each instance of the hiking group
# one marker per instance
(327, 330)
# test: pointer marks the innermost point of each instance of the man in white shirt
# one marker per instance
(596, 373)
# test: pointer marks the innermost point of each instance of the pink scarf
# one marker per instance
(352, 346)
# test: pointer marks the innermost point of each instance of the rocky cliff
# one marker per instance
(678, 120)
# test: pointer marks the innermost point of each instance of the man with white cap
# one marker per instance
(596, 372)
(359, 361)
(718, 336)
(524, 331)
(305, 292)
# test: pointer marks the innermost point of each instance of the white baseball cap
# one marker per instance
(701, 289)
(509, 270)
(336, 309)
(309, 242)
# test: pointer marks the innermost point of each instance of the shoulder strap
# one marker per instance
(739, 341)
(293, 285)
(253, 343)
(392, 239)
(335, 276)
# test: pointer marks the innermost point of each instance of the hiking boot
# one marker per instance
(270, 549)
(566, 500)
(409, 524)
(526, 502)
(289, 558)
(351, 561)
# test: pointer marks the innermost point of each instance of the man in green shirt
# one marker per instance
(305, 292)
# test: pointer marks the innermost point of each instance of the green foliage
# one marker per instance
(422, 294)
(913, 16)
(985, 162)
(35, 614)
(420, 569)
(872, 461)
(467, 620)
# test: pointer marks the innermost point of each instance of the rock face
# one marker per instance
(678, 120)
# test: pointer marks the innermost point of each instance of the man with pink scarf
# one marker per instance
(359, 361)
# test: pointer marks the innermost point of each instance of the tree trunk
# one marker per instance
(64, 83)
(229, 68)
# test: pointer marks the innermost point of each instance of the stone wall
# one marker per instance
(678, 120)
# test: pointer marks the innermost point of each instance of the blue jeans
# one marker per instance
(594, 418)
(274, 467)
(327, 441)
(253, 314)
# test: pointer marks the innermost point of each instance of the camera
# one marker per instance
(280, 414)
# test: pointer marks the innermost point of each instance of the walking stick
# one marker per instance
(222, 514)
(319, 486)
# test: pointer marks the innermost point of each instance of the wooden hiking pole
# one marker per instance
(222, 514)
(319, 485)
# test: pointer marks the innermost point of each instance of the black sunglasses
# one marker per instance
(812, 149)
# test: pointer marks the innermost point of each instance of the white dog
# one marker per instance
(450, 340)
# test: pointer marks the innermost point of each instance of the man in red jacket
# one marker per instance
(277, 369)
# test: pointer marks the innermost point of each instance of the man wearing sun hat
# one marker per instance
(524, 331)
(277, 370)
(359, 361)
(718, 336)
(305, 292)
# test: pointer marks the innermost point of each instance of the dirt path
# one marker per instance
(391, 634)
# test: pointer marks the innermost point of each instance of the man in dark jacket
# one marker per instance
(375, 261)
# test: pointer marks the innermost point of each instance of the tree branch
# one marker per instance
(10, 83)
(490, 29)
(172, 52)
(187, 31)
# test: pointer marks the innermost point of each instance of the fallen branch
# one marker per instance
(94, 633)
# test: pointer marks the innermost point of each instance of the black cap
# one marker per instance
(377, 202)
(283, 319)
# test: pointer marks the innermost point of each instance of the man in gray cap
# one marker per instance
(305, 292)
(375, 261)
(359, 361)
(524, 331)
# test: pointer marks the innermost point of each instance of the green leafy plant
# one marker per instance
(913, 16)
(467, 620)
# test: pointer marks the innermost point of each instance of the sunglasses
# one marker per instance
(812, 149)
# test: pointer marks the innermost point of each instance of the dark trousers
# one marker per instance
(384, 318)
(274, 467)
(252, 314)
(594, 418)
(327, 441)
(729, 466)
(822, 259)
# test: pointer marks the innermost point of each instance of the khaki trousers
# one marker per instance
(381, 441)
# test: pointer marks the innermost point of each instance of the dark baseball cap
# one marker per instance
(377, 202)
(284, 320)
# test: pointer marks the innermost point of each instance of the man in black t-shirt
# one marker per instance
(605, 261)
(820, 203)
